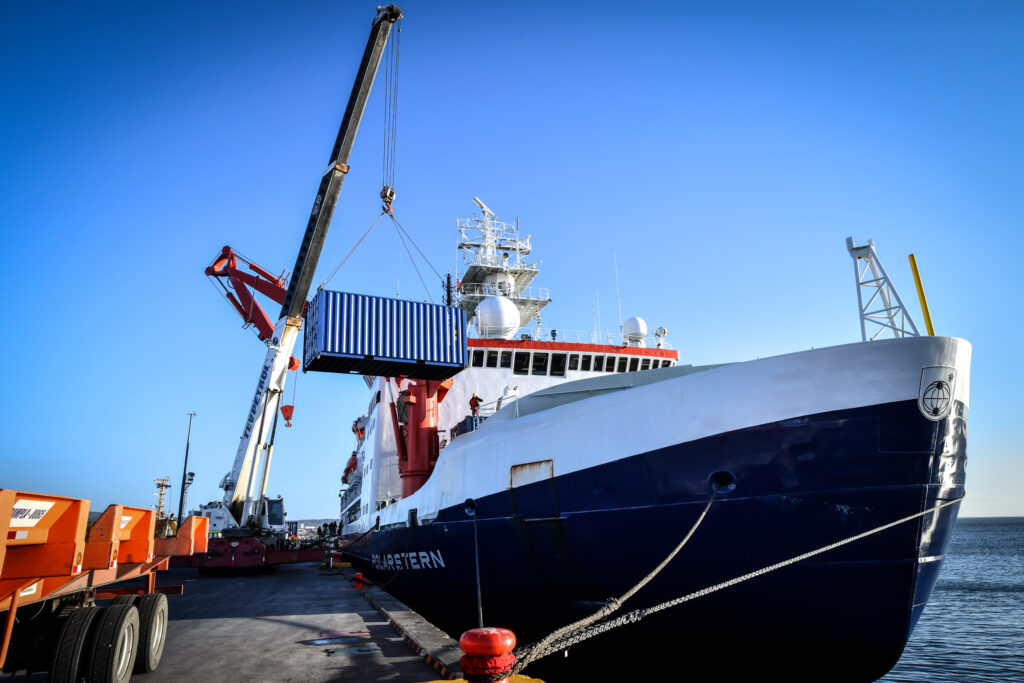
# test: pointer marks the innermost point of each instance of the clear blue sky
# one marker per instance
(723, 152)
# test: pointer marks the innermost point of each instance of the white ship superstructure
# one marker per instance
(511, 355)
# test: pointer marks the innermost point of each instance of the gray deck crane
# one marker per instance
(245, 510)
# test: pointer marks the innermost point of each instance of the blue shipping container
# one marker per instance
(372, 335)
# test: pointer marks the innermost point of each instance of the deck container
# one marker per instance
(372, 335)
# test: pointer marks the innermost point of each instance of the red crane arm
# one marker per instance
(240, 286)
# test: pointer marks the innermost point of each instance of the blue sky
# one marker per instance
(722, 153)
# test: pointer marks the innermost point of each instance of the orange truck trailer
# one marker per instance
(54, 567)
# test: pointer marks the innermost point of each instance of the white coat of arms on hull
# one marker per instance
(935, 396)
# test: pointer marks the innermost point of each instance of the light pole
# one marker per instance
(184, 471)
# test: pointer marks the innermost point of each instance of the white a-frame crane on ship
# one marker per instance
(251, 526)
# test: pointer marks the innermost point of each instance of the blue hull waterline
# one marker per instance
(555, 550)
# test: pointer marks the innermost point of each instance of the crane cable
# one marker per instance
(412, 260)
(350, 252)
(387, 193)
(402, 230)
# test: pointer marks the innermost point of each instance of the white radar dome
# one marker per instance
(498, 318)
(634, 331)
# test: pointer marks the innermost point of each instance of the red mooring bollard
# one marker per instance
(488, 654)
(359, 582)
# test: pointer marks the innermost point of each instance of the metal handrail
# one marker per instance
(580, 337)
(491, 289)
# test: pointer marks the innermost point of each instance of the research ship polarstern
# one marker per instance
(568, 465)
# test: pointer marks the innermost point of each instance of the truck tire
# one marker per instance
(115, 645)
(152, 632)
(67, 655)
(125, 599)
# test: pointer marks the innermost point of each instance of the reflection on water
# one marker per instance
(973, 626)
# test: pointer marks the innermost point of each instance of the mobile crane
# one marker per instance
(251, 525)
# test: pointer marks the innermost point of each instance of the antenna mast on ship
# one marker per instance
(495, 287)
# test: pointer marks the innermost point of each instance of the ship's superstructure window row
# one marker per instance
(542, 363)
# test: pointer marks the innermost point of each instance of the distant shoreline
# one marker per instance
(965, 518)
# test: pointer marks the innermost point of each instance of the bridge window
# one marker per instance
(598, 363)
(522, 364)
(478, 359)
(558, 365)
(574, 361)
(585, 362)
(633, 364)
(540, 363)
(645, 364)
(622, 363)
(492, 359)
(506, 359)
(666, 363)
(609, 364)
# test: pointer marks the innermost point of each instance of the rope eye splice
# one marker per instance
(387, 195)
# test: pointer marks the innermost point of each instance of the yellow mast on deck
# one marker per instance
(920, 295)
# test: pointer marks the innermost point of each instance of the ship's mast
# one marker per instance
(494, 252)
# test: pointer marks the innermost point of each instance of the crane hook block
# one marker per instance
(286, 412)
(387, 195)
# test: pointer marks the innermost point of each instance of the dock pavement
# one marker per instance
(301, 623)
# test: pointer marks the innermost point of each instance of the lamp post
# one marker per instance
(184, 471)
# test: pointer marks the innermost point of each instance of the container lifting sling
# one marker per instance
(246, 484)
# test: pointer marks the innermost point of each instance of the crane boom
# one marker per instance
(245, 485)
(330, 184)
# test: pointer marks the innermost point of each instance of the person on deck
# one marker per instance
(474, 405)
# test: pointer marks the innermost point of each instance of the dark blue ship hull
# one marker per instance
(553, 551)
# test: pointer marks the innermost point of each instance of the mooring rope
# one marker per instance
(611, 606)
(551, 645)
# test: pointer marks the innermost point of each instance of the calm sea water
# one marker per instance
(973, 626)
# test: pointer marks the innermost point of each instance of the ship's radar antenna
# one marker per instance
(483, 207)
(879, 302)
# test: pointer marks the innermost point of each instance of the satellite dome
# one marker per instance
(634, 331)
(497, 318)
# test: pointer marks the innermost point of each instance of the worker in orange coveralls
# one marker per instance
(474, 405)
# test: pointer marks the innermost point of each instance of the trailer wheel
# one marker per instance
(152, 632)
(115, 645)
(67, 656)
(128, 599)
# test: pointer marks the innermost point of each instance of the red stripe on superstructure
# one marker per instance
(572, 346)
